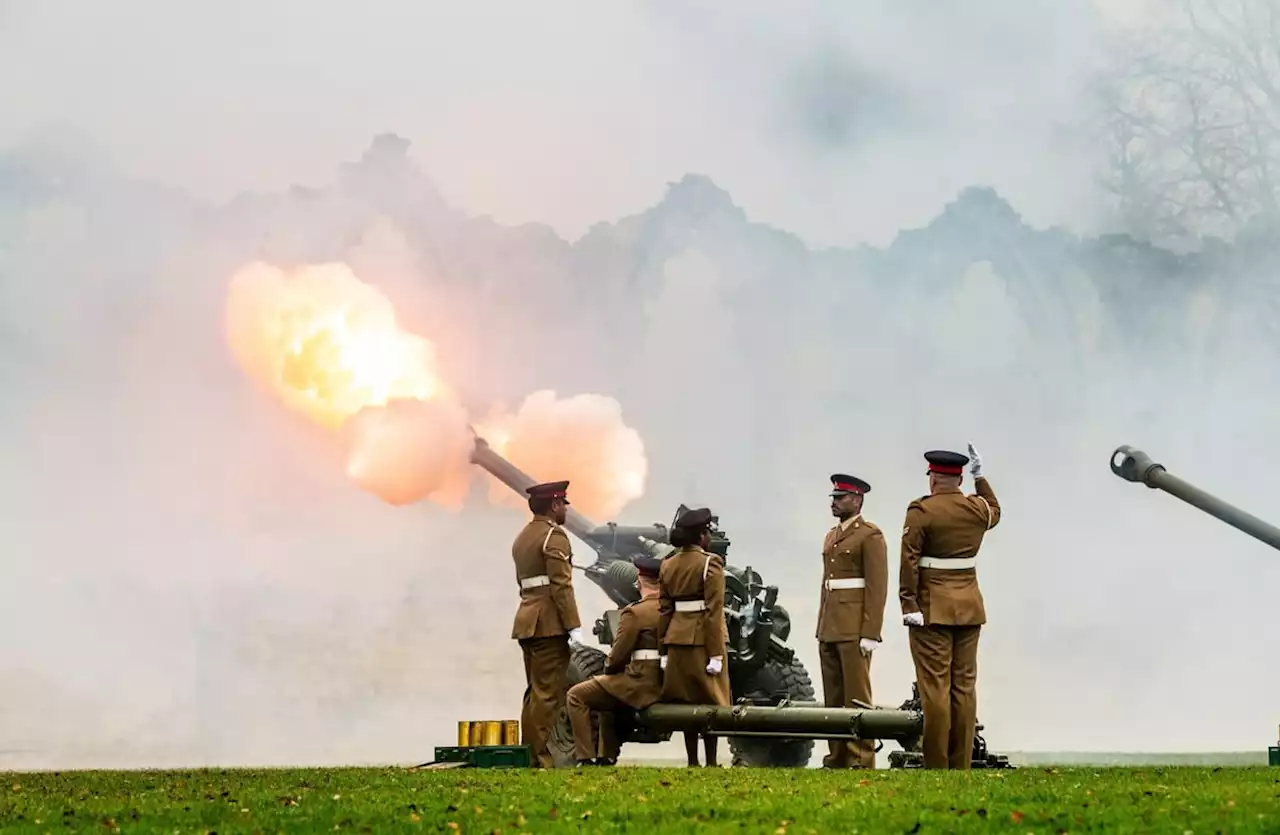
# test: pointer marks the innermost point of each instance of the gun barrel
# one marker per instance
(786, 721)
(655, 549)
(483, 456)
(1136, 466)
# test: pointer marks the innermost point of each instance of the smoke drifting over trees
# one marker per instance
(1193, 114)
(193, 579)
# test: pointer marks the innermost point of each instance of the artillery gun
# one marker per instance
(763, 670)
(1136, 466)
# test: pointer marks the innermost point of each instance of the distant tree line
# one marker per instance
(1190, 114)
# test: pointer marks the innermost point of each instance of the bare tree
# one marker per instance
(1192, 120)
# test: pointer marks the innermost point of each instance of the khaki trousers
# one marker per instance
(846, 676)
(546, 667)
(946, 661)
(583, 698)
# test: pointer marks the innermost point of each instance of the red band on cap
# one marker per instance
(852, 488)
(946, 470)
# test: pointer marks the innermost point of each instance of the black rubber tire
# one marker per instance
(793, 680)
(584, 662)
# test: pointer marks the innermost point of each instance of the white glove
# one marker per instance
(975, 462)
(868, 646)
(662, 662)
(913, 619)
(713, 666)
(575, 635)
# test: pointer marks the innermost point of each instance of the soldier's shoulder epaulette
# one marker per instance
(872, 526)
(552, 545)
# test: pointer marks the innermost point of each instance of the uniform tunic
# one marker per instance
(692, 627)
(633, 670)
(544, 574)
(938, 578)
(851, 607)
(547, 611)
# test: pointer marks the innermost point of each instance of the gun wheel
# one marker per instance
(584, 662)
(793, 681)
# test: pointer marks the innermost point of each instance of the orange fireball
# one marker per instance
(325, 342)
(329, 347)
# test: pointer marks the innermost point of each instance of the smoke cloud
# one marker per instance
(583, 439)
(409, 449)
(775, 245)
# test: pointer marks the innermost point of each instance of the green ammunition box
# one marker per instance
(487, 756)
(1273, 755)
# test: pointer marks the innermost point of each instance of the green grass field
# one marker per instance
(630, 799)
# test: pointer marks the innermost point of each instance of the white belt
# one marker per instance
(948, 564)
(846, 583)
(646, 655)
(691, 605)
(534, 582)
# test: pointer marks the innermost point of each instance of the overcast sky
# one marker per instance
(842, 122)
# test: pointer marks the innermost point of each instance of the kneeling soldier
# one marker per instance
(632, 672)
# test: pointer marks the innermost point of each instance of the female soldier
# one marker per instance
(692, 628)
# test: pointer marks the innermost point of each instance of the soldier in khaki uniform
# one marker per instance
(632, 672)
(547, 619)
(692, 627)
(942, 604)
(855, 585)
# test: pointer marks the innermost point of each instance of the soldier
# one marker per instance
(547, 619)
(855, 585)
(691, 627)
(632, 672)
(942, 604)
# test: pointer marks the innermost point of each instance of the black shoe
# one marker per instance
(607, 761)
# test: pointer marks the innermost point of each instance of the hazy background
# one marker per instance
(788, 242)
